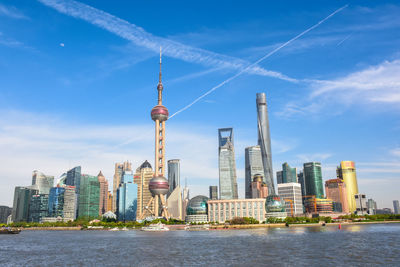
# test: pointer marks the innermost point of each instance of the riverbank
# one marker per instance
(216, 227)
(53, 228)
(277, 225)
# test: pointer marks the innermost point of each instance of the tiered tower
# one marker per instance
(159, 186)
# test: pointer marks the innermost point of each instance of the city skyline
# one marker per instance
(72, 106)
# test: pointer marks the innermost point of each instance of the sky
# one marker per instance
(78, 81)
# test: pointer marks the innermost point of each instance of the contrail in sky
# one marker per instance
(258, 61)
(140, 37)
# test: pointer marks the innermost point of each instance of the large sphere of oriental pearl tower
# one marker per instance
(160, 113)
(158, 186)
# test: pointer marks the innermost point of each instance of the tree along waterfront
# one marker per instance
(107, 223)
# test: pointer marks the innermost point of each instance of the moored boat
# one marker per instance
(7, 230)
(155, 227)
(200, 227)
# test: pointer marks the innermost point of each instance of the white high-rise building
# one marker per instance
(291, 194)
(42, 182)
(69, 204)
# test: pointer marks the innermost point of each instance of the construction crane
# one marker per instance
(291, 205)
(315, 201)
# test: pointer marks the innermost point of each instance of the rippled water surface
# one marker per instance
(354, 245)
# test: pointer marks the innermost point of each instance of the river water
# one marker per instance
(354, 245)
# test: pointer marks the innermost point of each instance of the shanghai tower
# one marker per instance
(264, 141)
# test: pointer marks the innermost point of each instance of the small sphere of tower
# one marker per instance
(158, 186)
(160, 113)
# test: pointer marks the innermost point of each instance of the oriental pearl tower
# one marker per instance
(158, 185)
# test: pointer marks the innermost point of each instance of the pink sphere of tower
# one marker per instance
(158, 186)
(160, 113)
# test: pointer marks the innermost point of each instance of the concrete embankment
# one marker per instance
(223, 227)
(53, 228)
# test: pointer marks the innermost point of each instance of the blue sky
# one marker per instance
(78, 81)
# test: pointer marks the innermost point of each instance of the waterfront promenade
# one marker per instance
(366, 245)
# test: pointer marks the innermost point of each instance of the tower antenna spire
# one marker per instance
(159, 81)
(160, 86)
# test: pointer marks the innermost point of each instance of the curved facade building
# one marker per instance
(197, 209)
(264, 141)
(347, 172)
(275, 207)
(42, 181)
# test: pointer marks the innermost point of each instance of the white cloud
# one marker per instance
(377, 85)
(49, 144)
(62, 44)
(313, 157)
(395, 152)
(380, 83)
(11, 12)
(140, 37)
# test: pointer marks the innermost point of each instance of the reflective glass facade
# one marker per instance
(264, 141)
(253, 165)
(39, 207)
(89, 196)
(313, 179)
(213, 192)
(197, 206)
(173, 174)
(396, 207)
(227, 165)
(22, 199)
(300, 179)
(74, 178)
(347, 172)
(56, 202)
(127, 198)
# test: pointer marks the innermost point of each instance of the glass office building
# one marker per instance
(213, 192)
(287, 175)
(127, 198)
(43, 182)
(39, 207)
(173, 174)
(22, 200)
(227, 165)
(56, 202)
(313, 179)
(253, 165)
(347, 172)
(74, 178)
(89, 196)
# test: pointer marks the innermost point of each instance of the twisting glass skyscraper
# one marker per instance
(264, 141)
(227, 165)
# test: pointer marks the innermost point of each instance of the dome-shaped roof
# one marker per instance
(197, 206)
(145, 164)
(274, 204)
